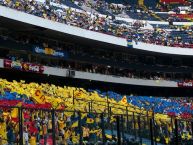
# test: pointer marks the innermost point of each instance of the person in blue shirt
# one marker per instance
(10, 135)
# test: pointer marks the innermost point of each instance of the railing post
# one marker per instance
(20, 110)
(53, 127)
(147, 121)
(103, 129)
(135, 133)
(151, 131)
(80, 128)
(172, 124)
(154, 130)
(89, 106)
(122, 127)
(192, 128)
(118, 131)
(139, 131)
(73, 101)
(108, 109)
(176, 131)
(127, 119)
(109, 120)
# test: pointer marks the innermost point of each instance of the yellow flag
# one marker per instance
(189, 136)
(14, 112)
(39, 97)
(75, 124)
(124, 100)
(97, 120)
(83, 115)
(113, 119)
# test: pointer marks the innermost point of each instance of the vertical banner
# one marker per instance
(129, 43)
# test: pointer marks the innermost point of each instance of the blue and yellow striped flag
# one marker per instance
(129, 43)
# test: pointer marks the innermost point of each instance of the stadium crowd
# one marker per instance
(143, 11)
(134, 9)
(37, 124)
(92, 67)
(104, 24)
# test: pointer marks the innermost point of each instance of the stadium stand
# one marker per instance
(35, 99)
(36, 46)
(43, 110)
(96, 22)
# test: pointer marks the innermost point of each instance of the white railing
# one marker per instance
(72, 30)
(162, 49)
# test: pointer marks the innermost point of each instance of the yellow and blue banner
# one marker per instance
(50, 51)
(129, 43)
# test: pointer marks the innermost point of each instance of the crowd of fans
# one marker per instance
(103, 23)
(103, 69)
(97, 67)
(175, 38)
(135, 10)
(38, 99)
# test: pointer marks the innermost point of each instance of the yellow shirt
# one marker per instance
(50, 124)
(167, 140)
(61, 124)
(3, 133)
(32, 140)
(67, 134)
(86, 132)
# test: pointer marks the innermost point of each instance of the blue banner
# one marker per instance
(50, 51)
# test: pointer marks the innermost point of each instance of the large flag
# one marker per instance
(124, 100)
(39, 97)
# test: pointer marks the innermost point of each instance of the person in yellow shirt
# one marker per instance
(67, 135)
(61, 126)
(49, 125)
(3, 132)
(86, 133)
(33, 139)
(167, 140)
(45, 132)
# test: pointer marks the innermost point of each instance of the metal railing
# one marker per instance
(74, 127)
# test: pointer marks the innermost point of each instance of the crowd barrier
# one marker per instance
(65, 127)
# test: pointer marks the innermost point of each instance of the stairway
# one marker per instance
(157, 17)
(143, 6)
(141, 3)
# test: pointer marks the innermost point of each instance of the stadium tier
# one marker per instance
(36, 100)
(36, 50)
(70, 14)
